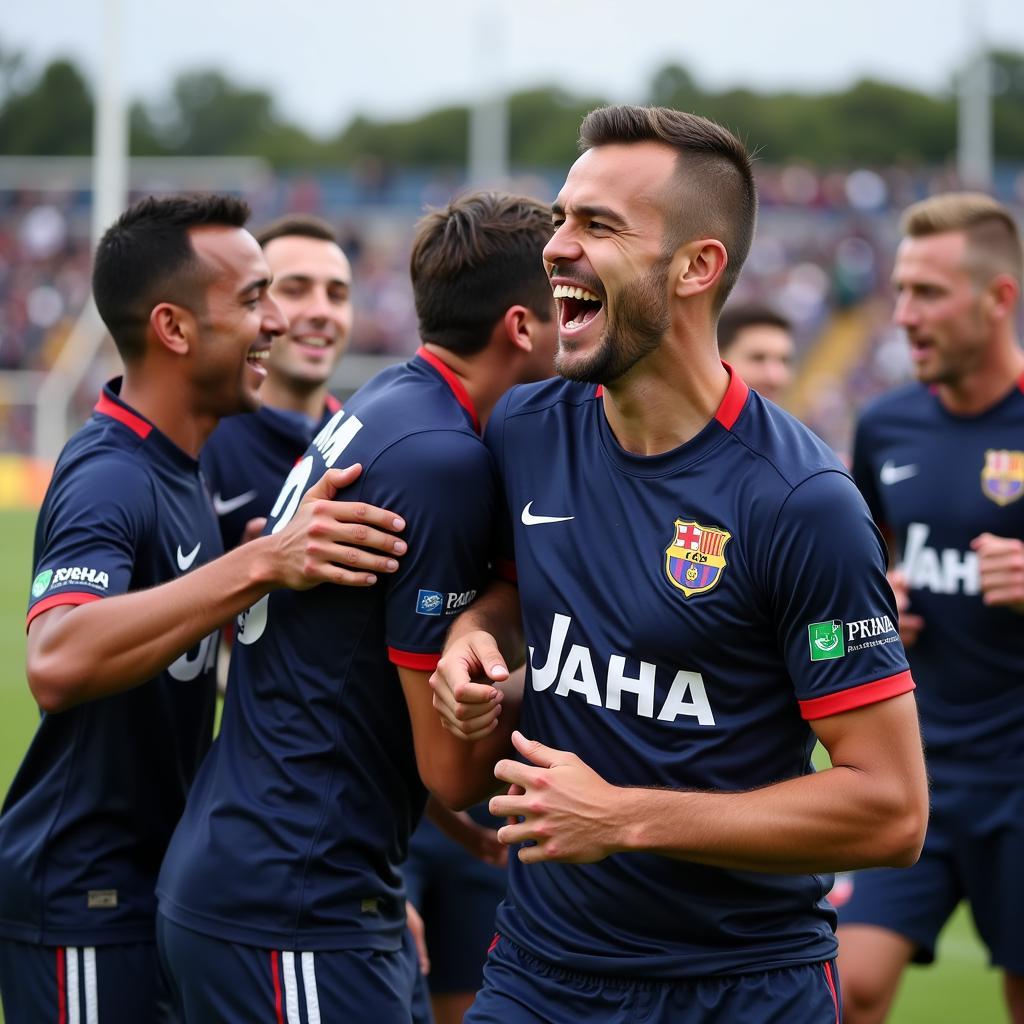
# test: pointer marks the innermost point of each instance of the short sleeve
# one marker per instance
(444, 484)
(834, 610)
(503, 554)
(94, 518)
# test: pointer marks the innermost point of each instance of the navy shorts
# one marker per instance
(214, 981)
(118, 984)
(974, 850)
(520, 989)
(457, 895)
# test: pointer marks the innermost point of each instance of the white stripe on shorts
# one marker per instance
(309, 984)
(71, 968)
(291, 988)
(92, 1003)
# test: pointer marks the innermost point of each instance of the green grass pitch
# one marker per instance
(959, 989)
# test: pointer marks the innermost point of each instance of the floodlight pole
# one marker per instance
(974, 112)
(109, 193)
(488, 117)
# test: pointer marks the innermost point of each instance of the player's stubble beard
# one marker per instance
(636, 326)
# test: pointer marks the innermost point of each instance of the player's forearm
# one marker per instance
(495, 611)
(835, 820)
(81, 653)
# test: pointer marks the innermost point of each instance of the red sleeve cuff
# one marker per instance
(409, 659)
(505, 569)
(857, 696)
(54, 600)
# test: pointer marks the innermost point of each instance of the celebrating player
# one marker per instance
(125, 603)
(280, 888)
(312, 284)
(702, 593)
(941, 464)
(757, 343)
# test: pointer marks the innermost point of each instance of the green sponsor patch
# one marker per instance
(826, 640)
(41, 582)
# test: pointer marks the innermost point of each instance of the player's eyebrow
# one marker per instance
(260, 285)
(309, 279)
(589, 211)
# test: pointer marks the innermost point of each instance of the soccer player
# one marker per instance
(702, 593)
(757, 343)
(127, 596)
(312, 284)
(941, 464)
(280, 889)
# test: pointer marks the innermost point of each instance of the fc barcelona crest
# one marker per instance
(694, 561)
(1002, 479)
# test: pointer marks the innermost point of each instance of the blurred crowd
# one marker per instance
(823, 251)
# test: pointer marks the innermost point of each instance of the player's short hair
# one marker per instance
(715, 195)
(474, 259)
(993, 239)
(302, 225)
(146, 257)
(740, 316)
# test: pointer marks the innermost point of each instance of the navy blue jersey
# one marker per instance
(90, 812)
(936, 481)
(246, 459)
(302, 812)
(686, 614)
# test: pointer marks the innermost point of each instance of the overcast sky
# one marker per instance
(326, 60)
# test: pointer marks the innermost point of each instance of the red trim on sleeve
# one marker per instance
(505, 570)
(276, 975)
(857, 696)
(458, 388)
(332, 404)
(72, 597)
(735, 395)
(62, 989)
(118, 412)
(409, 659)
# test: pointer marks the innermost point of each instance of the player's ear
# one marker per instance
(697, 267)
(1001, 297)
(173, 326)
(516, 324)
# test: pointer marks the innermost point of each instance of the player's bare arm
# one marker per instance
(80, 652)
(869, 809)
(1001, 570)
(472, 681)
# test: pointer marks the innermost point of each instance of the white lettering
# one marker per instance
(186, 668)
(336, 436)
(948, 572)
(291, 493)
(686, 696)
(585, 682)
(643, 686)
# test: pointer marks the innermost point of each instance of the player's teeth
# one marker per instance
(564, 291)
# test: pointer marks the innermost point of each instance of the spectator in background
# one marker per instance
(757, 343)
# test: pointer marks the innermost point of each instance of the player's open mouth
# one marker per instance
(577, 306)
(257, 358)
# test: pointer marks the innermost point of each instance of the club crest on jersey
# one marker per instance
(1002, 479)
(694, 561)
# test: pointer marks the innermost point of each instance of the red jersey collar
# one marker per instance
(451, 379)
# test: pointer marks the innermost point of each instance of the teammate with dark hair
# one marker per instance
(702, 594)
(757, 342)
(281, 891)
(127, 597)
(941, 464)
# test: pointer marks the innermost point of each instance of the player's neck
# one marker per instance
(989, 384)
(665, 400)
(169, 409)
(281, 394)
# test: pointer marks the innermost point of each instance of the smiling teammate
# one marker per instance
(127, 596)
(941, 464)
(312, 284)
(686, 554)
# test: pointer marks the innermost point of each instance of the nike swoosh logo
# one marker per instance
(890, 473)
(222, 506)
(529, 519)
(185, 561)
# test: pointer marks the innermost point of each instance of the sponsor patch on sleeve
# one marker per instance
(55, 579)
